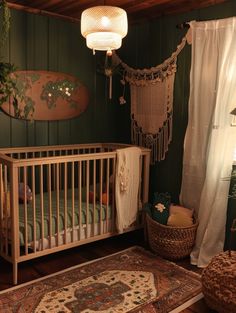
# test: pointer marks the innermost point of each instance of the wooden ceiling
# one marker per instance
(137, 10)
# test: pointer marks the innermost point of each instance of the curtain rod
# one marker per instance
(41, 12)
(183, 25)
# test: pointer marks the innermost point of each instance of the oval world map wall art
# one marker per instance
(45, 95)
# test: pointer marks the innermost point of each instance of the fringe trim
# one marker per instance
(142, 77)
(158, 143)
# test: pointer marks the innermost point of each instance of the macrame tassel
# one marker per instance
(170, 124)
(158, 143)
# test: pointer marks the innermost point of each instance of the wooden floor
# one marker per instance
(47, 265)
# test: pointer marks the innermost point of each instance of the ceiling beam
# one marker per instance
(41, 12)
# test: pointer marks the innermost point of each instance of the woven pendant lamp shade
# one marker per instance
(104, 27)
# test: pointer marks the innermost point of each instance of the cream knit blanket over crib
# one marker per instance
(127, 186)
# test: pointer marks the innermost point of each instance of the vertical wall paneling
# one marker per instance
(30, 65)
(53, 45)
(149, 45)
(230, 240)
(53, 133)
(5, 123)
(128, 54)
(104, 107)
(66, 47)
(219, 11)
(17, 56)
(5, 130)
(45, 43)
(83, 66)
(41, 63)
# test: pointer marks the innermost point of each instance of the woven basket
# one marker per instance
(172, 243)
(219, 281)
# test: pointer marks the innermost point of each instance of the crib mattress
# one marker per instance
(90, 214)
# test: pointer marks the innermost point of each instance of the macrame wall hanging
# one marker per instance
(151, 103)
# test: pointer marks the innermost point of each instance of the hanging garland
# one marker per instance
(9, 89)
(6, 19)
(142, 77)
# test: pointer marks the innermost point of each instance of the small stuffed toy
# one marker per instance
(24, 189)
(160, 207)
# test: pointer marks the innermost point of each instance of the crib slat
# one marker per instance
(54, 172)
(146, 170)
(100, 195)
(83, 170)
(80, 198)
(25, 211)
(1, 207)
(65, 203)
(107, 192)
(14, 206)
(41, 205)
(112, 192)
(72, 199)
(34, 208)
(57, 201)
(94, 196)
(6, 209)
(49, 172)
(87, 198)
(60, 170)
(140, 186)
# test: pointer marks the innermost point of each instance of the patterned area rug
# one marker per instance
(133, 280)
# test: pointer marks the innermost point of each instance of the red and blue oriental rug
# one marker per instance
(133, 280)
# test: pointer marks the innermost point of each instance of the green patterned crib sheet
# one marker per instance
(90, 214)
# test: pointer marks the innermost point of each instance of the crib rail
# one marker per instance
(54, 198)
(57, 150)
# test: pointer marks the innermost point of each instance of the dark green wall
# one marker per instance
(43, 43)
(149, 44)
(230, 241)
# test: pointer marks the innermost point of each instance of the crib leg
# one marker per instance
(15, 273)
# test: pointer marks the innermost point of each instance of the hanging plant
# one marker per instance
(5, 15)
(11, 91)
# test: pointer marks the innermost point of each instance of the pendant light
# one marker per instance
(104, 27)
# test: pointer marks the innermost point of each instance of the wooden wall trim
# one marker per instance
(20, 7)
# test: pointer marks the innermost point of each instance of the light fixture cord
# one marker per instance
(110, 87)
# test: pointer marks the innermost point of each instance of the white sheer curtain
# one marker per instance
(210, 140)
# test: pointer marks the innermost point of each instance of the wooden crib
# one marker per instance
(58, 197)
